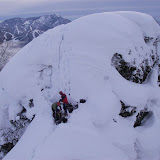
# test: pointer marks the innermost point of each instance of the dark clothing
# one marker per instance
(56, 110)
(65, 107)
(54, 106)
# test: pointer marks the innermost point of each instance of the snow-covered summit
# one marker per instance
(82, 59)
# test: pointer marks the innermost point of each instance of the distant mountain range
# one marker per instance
(15, 33)
(26, 29)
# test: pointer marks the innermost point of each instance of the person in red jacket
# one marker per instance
(64, 100)
(63, 97)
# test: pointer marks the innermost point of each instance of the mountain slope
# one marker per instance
(26, 29)
(78, 59)
(157, 20)
(15, 33)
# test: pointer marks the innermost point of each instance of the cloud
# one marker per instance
(76, 8)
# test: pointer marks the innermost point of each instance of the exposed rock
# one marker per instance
(147, 39)
(142, 117)
(82, 101)
(10, 136)
(131, 72)
(6, 147)
(127, 111)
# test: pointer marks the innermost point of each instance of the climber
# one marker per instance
(64, 100)
(56, 108)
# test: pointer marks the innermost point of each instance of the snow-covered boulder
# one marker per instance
(79, 59)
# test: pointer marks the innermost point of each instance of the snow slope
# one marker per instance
(76, 58)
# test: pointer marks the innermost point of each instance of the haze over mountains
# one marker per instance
(73, 9)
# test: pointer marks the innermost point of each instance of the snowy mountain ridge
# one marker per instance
(26, 29)
(88, 59)
(15, 33)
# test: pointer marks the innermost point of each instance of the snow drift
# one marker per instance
(77, 59)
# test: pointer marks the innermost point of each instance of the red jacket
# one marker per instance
(64, 98)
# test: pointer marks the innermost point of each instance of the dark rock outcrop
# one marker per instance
(131, 72)
(142, 117)
(10, 136)
(126, 110)
(82, 101)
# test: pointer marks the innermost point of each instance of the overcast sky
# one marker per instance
(73, 9)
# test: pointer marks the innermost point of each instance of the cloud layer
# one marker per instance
(75, 8)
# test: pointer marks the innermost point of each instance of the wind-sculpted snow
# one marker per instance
(77, 59)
